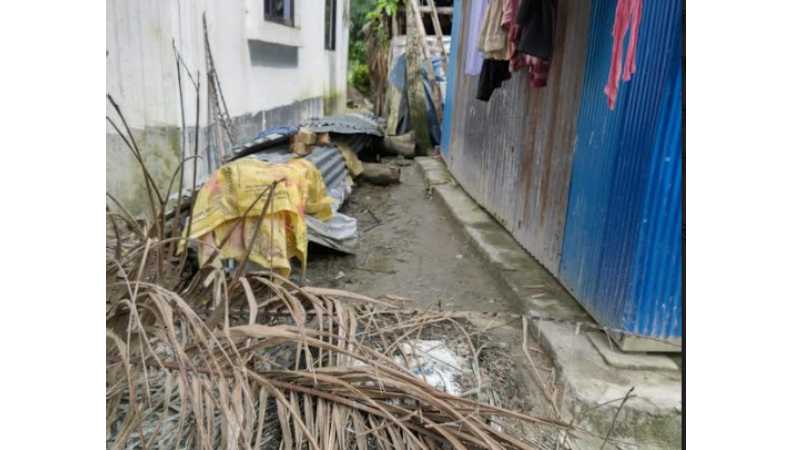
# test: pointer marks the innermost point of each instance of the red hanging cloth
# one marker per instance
(628, 15)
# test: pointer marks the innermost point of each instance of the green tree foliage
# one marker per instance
(363, 13)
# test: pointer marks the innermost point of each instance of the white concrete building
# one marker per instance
(278, 61)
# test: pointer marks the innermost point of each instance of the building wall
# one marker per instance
(270, 74)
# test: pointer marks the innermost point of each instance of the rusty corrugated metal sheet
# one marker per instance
(514, 153)
(622, 252)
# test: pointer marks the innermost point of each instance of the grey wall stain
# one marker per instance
(161, 152)
(267, 54)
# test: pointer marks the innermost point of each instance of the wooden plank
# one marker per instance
(443, 10)
(420, 39)
(393, 100)
(437, 27)
(414, 5)
(414, 87)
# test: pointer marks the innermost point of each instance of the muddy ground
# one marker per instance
(410, 247)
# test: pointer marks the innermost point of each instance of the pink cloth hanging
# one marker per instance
(628, 15)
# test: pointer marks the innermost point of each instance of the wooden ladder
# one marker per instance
(431, 9)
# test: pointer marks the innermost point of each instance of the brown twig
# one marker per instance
(256, 230)
(118, 239)
(536, 374)
(194, 168)
(616, 414)
(177, 222)
(137, 153)
(129, 217)
(366, 269)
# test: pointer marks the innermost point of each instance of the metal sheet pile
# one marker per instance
(335, 157)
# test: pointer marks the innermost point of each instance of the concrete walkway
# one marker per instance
(595, 375)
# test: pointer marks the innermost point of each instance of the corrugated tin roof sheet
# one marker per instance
(350, 123)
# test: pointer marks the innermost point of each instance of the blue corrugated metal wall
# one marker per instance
(621, 253)
(452, 71)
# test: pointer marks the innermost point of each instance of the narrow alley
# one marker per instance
(409, 247)
(401, 225)
(391, 224)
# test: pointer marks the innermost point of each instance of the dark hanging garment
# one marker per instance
(493, 73)
(537, 23)
(532, 38)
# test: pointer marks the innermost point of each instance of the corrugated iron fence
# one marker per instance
(595, 195)
(513, 154)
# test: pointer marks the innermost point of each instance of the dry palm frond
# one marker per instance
(259, 362)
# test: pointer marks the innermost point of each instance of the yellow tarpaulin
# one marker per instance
(222, 202)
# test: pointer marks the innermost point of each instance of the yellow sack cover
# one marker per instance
(223, 200)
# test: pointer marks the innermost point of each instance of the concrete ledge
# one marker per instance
(630, 343)
(636, 361)
(595, 380)
(435, 172)
(593, 391)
